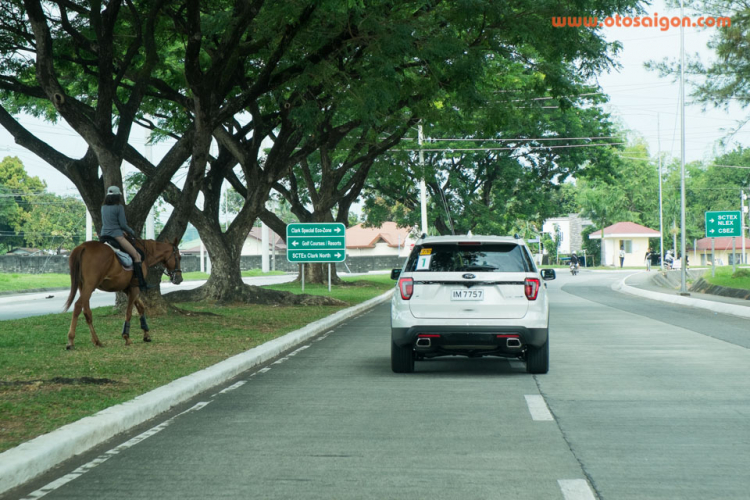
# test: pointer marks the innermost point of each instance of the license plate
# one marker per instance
(467, 294)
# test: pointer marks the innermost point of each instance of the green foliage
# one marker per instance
(53, 222)
(18, 195)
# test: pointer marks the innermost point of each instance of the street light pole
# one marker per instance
(422, 186)
(661, 210)
(683, 273)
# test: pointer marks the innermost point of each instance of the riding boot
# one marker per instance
(138, 271)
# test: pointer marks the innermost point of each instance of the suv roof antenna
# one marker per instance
(424, 235)
(517, 236)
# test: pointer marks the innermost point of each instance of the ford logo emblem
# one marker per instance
(469, 276)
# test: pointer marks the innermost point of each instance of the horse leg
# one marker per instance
(72, 332)
(132, 297)
(84, 300)
(144, 324)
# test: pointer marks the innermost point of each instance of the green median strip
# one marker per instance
(724, 277)
(43, 386)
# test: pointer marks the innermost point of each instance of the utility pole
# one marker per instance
(89, 226)
(683, 273)
(661, 210)
(422, 186)
(743, 196)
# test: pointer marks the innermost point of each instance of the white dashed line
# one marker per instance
(263, 370)
(49, 488)
(576, 489)
(538, 408)
(299, 350)
(234, 386)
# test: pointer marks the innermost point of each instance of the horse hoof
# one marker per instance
(69, 347)
(147, 339)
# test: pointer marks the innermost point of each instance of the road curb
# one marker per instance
(33, 458)
(717, 307)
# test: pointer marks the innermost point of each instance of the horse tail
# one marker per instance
(74, 261)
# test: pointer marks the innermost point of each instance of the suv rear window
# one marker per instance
(487, 257)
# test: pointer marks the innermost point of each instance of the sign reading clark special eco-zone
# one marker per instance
(725, 223)
(316, 242)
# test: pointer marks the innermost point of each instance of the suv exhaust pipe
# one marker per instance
(514, 343)
(424, 342)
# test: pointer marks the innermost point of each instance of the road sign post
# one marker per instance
(720, 224)
(316, 242)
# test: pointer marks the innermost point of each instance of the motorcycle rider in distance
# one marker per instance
(668, 260)
(573, 264)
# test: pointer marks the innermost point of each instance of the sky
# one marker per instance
(639, 99)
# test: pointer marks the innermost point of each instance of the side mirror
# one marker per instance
(395, 273)
(548, 274)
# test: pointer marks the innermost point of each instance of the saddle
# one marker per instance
(125, 259)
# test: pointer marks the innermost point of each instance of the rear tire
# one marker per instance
(402, 359)
(537, 358)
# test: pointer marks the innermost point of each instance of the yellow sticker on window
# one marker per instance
(425, 251)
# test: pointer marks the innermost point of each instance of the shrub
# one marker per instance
(741, 273)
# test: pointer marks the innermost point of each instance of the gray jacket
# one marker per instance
(113, 221)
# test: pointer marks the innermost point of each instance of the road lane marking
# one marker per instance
(576, 489)
(538, 408)
(234, 386)
(263, 370)
(299, 350)
(57, 483)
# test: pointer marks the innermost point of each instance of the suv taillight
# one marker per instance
(406, 287)
(531, 288)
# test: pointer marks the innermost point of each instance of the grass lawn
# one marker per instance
(724, 278)
(14, 282)
(43, 386)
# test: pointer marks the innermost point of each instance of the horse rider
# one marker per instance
(115, 226)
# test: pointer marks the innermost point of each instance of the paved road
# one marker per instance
(645, 401)
(37, 304)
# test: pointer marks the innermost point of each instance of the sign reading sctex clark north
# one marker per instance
(316, 242)
(726, 223)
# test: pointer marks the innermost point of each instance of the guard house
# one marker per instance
(631, 237)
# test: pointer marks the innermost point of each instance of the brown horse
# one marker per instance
(94, 265)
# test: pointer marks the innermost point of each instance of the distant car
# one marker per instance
(472, 296)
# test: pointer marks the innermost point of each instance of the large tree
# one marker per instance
(297, 74)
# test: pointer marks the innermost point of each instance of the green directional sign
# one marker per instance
(727, 223)
(316, 242)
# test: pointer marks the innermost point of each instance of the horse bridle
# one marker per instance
(176, 265)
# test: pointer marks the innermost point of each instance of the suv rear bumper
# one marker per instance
(404, 337)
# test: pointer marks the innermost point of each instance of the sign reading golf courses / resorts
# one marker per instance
(316, 242)
(725, 223)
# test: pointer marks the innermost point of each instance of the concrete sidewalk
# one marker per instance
(643, 285)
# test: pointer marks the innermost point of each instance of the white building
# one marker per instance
(570, 229)
(632, 238)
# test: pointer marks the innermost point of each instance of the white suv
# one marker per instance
(472, 296)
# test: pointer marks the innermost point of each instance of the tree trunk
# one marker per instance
(318, 273)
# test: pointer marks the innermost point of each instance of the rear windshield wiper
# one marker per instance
(480, 268)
